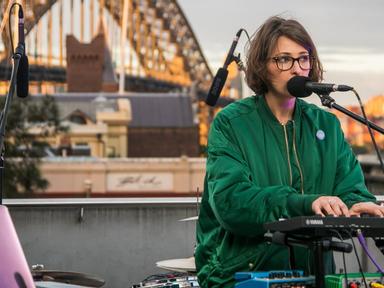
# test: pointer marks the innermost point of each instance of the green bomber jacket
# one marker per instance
(259, 171)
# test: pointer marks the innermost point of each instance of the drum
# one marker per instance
(50, 284)
(73, 278)
(178, 265)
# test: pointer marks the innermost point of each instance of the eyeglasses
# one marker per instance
(285, 62)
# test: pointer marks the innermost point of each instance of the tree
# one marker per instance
(23, 152)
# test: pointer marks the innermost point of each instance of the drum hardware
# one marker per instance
(73, 278)
(170, 280)
(194, 218)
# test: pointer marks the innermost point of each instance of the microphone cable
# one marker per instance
(370, 130)
(364, 245)
(10, 27)
(357, 258)
(344, 262)
(237, 58)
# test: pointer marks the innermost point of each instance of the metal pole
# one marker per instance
(122, 47)
(4, 114)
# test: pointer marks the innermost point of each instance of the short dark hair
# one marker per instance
(264, 41)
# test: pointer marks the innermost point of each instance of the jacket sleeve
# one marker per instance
(239, 204)
(349, 180)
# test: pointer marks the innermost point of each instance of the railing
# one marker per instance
(118, 239)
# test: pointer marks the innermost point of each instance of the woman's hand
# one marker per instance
(367, 208)
(330, 205)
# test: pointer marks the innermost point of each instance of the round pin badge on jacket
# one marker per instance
(320, 134)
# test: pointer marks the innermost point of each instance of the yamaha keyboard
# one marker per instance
(325, 226)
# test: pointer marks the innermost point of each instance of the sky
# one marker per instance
(349, 35)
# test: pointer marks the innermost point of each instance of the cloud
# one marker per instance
(352, 59)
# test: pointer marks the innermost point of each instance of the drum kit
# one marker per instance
(182, 274)
(14, 269)
(183, 265)
(186, 265)
(62, 279)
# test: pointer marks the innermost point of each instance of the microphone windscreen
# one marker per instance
(296, 86)
(22, 79)
(216, 87)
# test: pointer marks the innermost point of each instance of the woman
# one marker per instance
(273, 156)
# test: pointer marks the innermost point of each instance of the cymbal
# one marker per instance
(73, 278)
(178, 265)
(194, 218)
(50, 284)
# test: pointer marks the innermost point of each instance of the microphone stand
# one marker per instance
(3, 117)
(329, 102)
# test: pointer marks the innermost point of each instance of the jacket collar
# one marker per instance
(267, 114)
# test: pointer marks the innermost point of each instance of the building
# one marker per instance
(357, 133)
(163, 126)
(125, 125)
(123, 177)
(89, 65)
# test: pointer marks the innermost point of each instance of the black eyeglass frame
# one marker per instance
(311, 60)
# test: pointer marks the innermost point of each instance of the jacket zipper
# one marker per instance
(297, 158)
(289, 160)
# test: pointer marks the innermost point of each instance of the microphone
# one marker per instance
(22, 78)
(300, 86)
(21, 27)
(222, 74)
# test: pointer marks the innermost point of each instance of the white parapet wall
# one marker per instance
(143, 177)
(123, 176)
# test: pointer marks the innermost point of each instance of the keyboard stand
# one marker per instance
(318, 245)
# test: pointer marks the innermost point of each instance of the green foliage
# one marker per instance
(203, 151)
(22, 177)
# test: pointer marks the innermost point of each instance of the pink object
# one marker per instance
(14, 270)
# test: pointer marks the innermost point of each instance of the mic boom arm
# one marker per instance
(329, 102)
(230, 56)
(221, 74)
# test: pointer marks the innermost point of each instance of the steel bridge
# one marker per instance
(159, 43)
(150, 42)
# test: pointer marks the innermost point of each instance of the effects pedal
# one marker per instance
(355, 280)
(275, 279)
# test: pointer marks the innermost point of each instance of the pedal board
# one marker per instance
(274, 279)
(170, 280)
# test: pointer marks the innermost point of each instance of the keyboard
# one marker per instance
(325, 226)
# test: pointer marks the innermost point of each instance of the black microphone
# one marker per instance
(21, 26)
(22, 79)
(300, 86)
(221, 74)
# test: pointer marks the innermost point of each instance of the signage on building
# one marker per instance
(140, 182)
